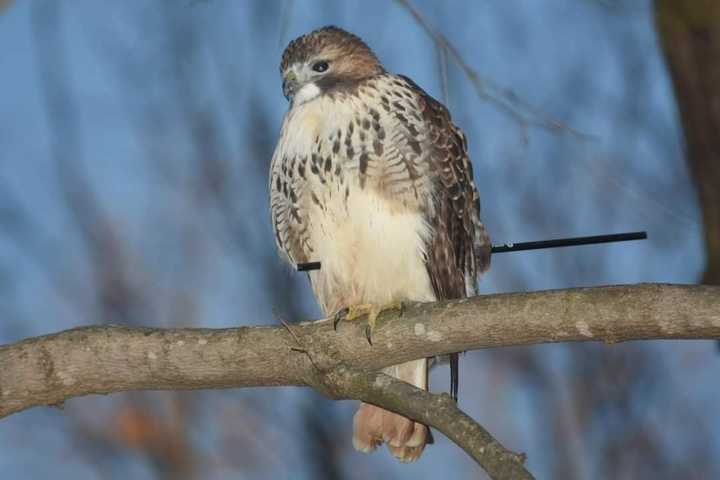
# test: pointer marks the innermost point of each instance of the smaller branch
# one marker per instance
(438, 411)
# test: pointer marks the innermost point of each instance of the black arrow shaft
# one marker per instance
(517, 247)
(569, 242)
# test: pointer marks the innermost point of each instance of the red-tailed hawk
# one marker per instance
(371, 178)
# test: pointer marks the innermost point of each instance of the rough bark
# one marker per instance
(690, 36)
(50, 369)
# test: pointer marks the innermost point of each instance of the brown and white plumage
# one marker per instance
(371, 177)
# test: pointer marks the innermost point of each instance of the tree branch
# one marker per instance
(438, 411)
(50, 369)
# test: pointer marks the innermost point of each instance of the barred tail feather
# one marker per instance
(405, 438)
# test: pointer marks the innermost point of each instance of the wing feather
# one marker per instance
(459, 249)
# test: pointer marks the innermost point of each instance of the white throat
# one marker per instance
(308, 92)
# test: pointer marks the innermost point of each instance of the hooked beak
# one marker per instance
(290, 85)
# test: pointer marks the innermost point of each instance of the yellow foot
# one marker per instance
(372, 311)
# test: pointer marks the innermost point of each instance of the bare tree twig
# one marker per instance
(50, 369)
(503, 98)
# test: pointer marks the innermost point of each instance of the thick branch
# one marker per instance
(50, 369)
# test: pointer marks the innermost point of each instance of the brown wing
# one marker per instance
(460, 247)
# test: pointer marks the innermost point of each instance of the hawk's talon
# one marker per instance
(372, 317)
(372, 311)
(340, 316)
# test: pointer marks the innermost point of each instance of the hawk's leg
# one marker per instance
(371, 310)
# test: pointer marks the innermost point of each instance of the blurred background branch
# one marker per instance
(690, 36)
(503, 98)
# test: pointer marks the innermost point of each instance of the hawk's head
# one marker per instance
(324, 60)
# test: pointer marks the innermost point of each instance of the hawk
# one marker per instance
(371, 177)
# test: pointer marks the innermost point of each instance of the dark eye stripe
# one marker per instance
(320, 66)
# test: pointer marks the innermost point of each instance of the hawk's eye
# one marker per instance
(320, 66)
